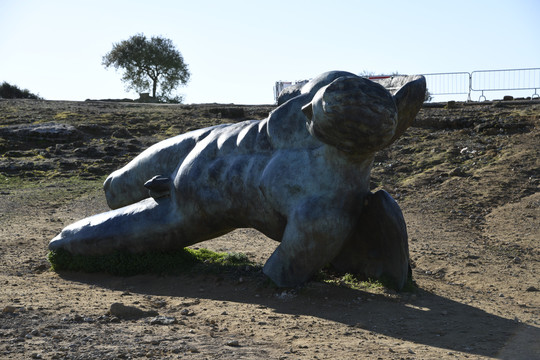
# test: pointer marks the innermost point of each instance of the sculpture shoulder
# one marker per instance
(287, 125)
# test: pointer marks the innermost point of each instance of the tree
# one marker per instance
(8, 91)
(149, 63)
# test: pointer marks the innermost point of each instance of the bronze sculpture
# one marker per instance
(300, 176)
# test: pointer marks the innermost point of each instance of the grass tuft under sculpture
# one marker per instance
(128, 264)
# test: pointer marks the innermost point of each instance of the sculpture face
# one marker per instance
(301, 177)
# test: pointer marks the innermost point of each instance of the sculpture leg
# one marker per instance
(145, 226)
(313, 237)
(378, 246)
(125, 186)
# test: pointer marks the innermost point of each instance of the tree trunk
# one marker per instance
(154, 87)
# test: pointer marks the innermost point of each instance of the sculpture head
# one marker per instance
(359, 116)
(352, 114)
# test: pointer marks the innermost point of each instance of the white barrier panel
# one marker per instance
(511, 79)
(465, 82)
(448, 83)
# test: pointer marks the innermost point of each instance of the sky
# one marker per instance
(237, 49)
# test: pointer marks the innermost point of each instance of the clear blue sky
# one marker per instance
(236, 49)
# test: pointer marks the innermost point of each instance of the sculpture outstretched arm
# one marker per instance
(315, 234)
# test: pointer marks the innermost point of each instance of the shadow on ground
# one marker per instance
(422, 318)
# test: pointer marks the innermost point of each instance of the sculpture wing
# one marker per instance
(409, 100)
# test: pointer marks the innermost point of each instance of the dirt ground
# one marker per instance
(465, 175)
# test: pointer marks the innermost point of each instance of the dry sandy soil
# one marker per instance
(466, 177)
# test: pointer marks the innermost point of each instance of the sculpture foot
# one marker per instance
(159, 186)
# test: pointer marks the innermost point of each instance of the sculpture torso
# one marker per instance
(254, 173)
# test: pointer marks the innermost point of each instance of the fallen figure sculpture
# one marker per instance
(300, 176)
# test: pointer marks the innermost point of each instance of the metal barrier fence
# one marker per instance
(484, 80)
(511, 79)
(449, 83)
(464, 83)
(281, 85)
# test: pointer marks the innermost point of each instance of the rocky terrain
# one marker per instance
(466, 176)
